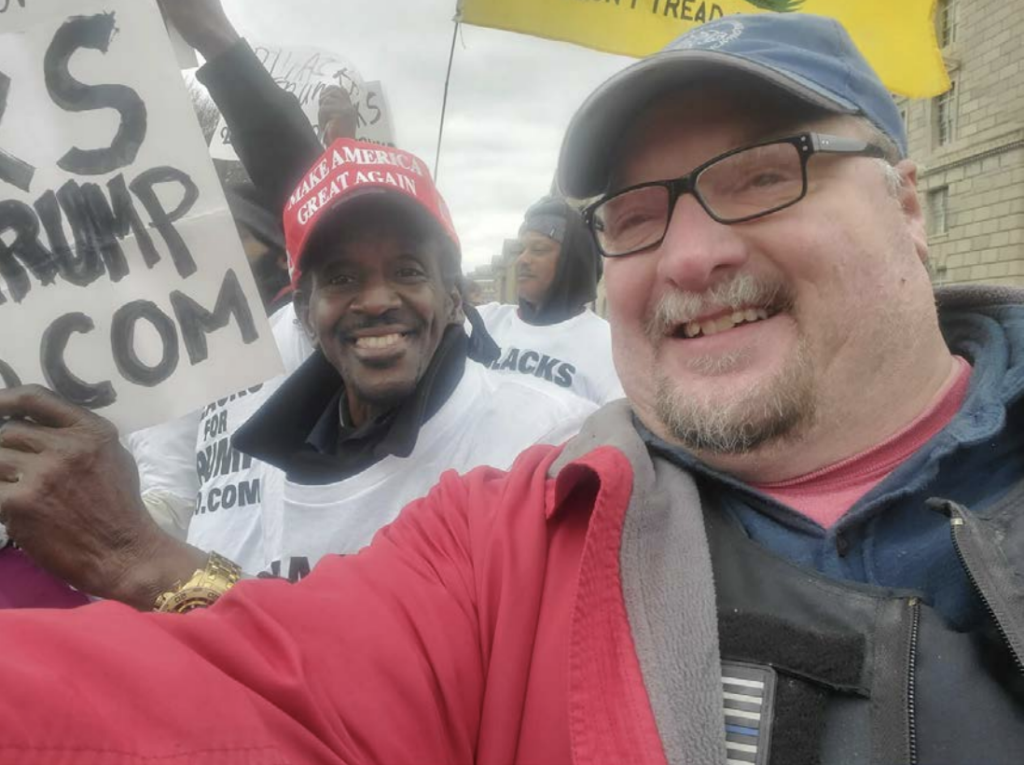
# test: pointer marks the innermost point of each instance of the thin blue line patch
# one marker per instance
(748, 698)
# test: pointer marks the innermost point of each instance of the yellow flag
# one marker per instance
(896, 36)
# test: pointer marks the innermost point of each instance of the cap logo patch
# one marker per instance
(777, 6)
(710, 37)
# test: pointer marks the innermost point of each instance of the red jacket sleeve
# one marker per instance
(375, 658)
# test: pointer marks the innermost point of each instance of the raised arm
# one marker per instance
(270, 133)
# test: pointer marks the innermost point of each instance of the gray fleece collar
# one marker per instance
(668, 588)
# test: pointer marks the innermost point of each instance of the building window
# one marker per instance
(938, 211)
(945, 116)
(945, 22)
(905, 118)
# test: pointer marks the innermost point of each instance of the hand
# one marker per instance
(337, 116)
(203, 24)
(69, 496)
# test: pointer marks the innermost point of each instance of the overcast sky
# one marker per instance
(510, 101)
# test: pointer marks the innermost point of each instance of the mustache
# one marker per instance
(741, 291)
(388, 319)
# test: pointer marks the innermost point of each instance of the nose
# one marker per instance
(376, 298)
(697, 250)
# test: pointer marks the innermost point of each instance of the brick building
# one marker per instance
(503, 272)
(969, 143)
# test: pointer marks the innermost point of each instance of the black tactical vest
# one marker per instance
(863, 675)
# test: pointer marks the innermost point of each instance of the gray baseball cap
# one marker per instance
(809, 57)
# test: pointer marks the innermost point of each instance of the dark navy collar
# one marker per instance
(299, 430)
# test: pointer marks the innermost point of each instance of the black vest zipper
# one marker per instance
(958, 529)
(915, 625)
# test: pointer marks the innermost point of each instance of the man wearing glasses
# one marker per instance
(798, 541)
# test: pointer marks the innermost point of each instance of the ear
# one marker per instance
(910, 203)
(301, 300)
(455, 313)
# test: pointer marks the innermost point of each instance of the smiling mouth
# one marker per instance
(380, 342)
(723, 323)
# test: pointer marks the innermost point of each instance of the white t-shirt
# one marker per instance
(227, 514)
(165, 456)
(575, 354)
(488, 420)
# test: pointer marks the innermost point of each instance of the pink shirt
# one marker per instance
(825, 495)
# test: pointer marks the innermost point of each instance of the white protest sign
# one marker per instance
(305, 72)
(123, 285)
(375, 112)
(183, 52)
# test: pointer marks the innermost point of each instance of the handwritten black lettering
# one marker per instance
(79, 265)
(197, 322)
(96, 33)
(376, 113)
(163, 221)
(55, 369)
(92, 226)
(98, 227)
(125, 219)
(122, 341)
(14, 171)
(26, 250)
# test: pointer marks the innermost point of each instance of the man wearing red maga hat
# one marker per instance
(390, 400)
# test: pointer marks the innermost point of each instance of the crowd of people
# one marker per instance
(769, 512)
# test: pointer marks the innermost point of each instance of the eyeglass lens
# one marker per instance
(738, 186)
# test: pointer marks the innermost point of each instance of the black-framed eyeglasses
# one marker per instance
(738, 186)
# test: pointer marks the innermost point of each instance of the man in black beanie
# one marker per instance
(552, 334)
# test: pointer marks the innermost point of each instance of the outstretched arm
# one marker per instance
(374, 658)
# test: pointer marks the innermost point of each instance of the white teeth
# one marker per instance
(376, 343)
(724, 323)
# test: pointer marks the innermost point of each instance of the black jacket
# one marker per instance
(269, 131)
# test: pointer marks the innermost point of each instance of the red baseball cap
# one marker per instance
(351, 169)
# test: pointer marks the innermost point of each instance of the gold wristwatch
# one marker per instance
(203, 589)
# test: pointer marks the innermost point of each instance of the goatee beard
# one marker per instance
(776, 409)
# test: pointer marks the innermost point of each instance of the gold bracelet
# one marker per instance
(204, 588)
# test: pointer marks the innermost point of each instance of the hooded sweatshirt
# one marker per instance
(561, 342)
(579, 266)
